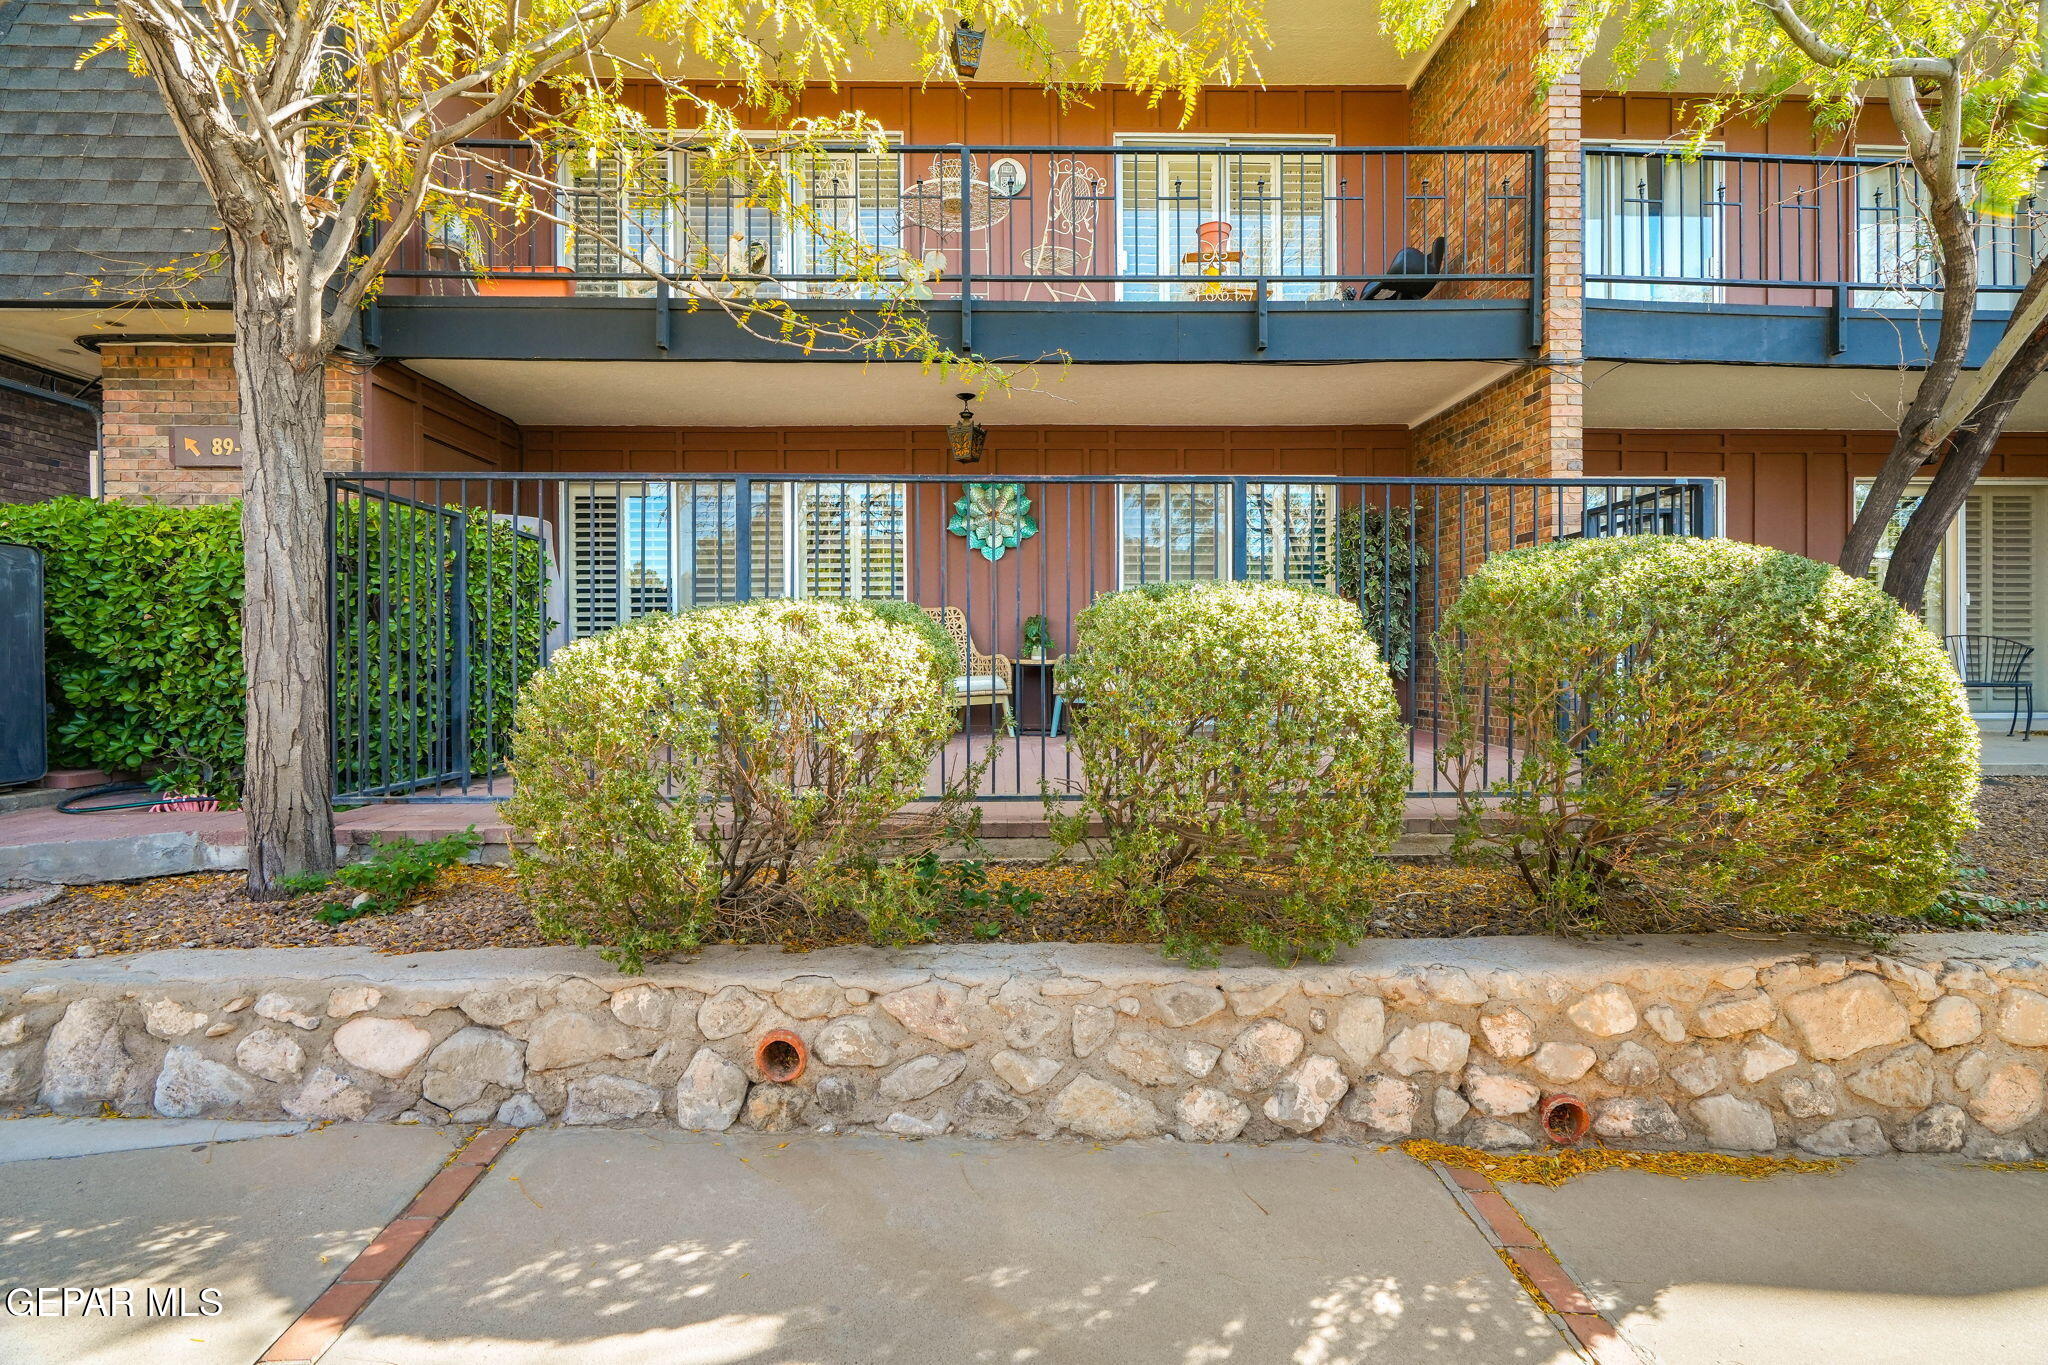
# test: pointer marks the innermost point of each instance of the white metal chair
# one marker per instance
(1067, 244)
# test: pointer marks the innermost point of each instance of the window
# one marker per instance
(1651, 214)
(669, 545)
(1895, 247)
(1274, 202)
(1181, 532)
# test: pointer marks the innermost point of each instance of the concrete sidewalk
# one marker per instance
(686, 1249)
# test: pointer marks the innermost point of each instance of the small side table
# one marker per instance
(1046, 703)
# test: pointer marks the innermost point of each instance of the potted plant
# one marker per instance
(1037, 638)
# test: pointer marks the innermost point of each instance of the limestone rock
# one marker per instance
(1631, 1066)
(470, 1060)
(1385, 1104)
(1197, 1059)
(1250, 1002)
(1129, 1006)
(565, 1037)
(1497, 1136)
(1638, 1118)
(1562, 1062)
(1499, 1096)
(1734, 1125)
(1302, 1101)
(774, 1108)
(2023, 1019)
(1811, 1097)
(911, 1126)
(1259, 1055)
(936, 1010)
(328, 1094)
(1098, 1109)
(282, 1009)
(1144, 1057)
(1666, 1023)
(1696, 1071)
(1030, 1025)
(498, 1007)
(1847, 1137)
(1449, 1109)
(1729, 1015)
(921, 1076)
(710, 1092)
(168, 1020)
(1507, 1033)
(810, 997)
(2008, 1098)
(522, 1111)
(1902, 1080)
(579, 993)
(851, 1041)
(1021, 1073)
(389, 1047)
(14, 1028)
(730, 1013)
(606, 1099)
(1604, 1012)
(1764, 1057)
(84, 1064)
(346, 1002)
(1950, 1022)
(1854, 1014)
(1208, 1115)
(1185, 1003)
(1434, 1046)
(1972, 1069)
(1092, 1026)
(1362, 1028)
(21, 1068)
(641, 1007)
(1937, 1129)
(191, 1087)
(838, 1095)
(271, 1055)
(986, 1107)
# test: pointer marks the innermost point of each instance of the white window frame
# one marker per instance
(1226, 526)
(1187, 142)
(1921, 300)
(1651, 291)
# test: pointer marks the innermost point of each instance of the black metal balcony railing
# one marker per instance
(956, 224)
(1837, 232)
(449, 592)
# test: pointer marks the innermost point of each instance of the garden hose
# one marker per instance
(69, 805)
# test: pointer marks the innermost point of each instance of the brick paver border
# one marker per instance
(1558, 1293)
(328, 1316)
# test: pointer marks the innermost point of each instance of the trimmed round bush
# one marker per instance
(683, 761)
(1705, 724)
(1232, 729)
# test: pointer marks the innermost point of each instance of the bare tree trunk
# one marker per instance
(284, 556)
(1920, 539)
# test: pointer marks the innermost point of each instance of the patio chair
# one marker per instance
(1407, 261)
(990, 679)
(1995, 663)
(1068, 242)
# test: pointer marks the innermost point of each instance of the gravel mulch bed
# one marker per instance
(479, 907)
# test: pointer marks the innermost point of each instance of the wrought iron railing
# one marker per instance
(1188, 223)
(450, 591)
(1840, 232)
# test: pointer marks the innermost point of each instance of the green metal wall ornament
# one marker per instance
(995, 517)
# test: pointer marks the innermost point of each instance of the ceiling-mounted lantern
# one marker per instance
(967, 41)
(966, 438)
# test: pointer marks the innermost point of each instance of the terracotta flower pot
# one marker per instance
(506, 281)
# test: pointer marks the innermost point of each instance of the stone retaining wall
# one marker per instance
(1671, 1043)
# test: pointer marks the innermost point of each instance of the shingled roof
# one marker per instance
(93, 179)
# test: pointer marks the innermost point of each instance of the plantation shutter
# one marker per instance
(2002, 556)
(618, 202)
(1173, 532)
(1291, 534)
(850, 540)
(594, 567)
(594, 208)
(1276, 203)
(1165, 196)
(856, 197)
(621, 554)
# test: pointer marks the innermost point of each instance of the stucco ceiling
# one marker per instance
(51, 336)
(677, 393)
(1762, 398)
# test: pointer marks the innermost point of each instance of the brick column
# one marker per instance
(148, 388)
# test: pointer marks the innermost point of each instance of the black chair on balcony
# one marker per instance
(1407, 261)
(1995, 663)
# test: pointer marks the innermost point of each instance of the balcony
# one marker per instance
(1735, 258)
(1189, 252)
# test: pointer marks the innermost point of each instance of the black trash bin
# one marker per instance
(24, 721)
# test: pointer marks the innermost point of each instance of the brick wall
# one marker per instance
(149, 388)
(1480, 88)
(45, 447)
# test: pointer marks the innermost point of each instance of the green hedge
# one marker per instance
(144, 648)
(143, 607)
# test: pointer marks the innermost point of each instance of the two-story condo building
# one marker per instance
(1374, 297)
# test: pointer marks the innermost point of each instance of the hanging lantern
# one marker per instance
(967, 40)
(966, 437)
